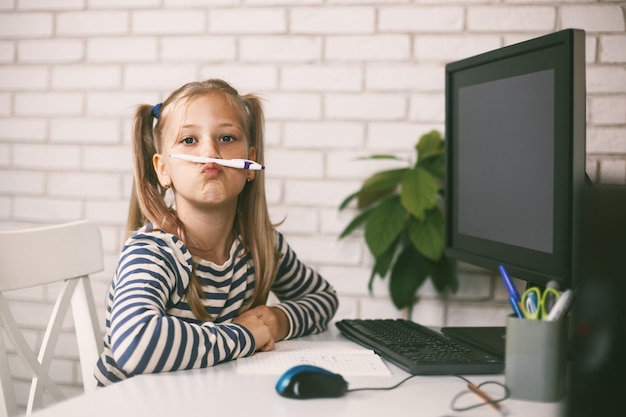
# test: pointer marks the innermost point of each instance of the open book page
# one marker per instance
(344, 358)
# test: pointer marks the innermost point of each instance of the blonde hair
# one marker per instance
(148, 203)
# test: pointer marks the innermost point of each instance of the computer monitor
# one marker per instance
(515, 158)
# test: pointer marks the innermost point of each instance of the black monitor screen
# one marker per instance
(512, 118)
(515, 157)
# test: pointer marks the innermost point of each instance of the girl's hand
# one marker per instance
(273, 317)
(261, 332)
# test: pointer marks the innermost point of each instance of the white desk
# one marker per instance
(222, 391)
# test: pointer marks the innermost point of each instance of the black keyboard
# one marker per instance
(418, 349)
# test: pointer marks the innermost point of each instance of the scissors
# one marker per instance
(536, 304)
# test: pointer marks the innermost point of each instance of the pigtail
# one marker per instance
(148, 196)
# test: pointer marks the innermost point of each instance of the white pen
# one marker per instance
(232, 163)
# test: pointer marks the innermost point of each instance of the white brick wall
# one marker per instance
(340, 79)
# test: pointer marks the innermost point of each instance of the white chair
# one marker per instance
(65, 254)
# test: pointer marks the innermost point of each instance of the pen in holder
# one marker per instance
(536, 359)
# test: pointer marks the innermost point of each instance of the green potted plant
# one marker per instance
(401, 212)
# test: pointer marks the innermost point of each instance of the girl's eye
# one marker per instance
(227, 139)
(188, 140)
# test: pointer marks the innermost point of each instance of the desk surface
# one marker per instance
(221, 390)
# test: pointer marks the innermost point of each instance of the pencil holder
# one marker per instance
(536, 359)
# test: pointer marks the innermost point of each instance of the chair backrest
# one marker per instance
(65, 254)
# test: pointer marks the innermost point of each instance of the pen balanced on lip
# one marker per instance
(232, 163)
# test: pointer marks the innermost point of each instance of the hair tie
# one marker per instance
(156, 110)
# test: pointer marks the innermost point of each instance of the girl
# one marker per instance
(191, 284)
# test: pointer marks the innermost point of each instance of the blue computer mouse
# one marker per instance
(308, 381)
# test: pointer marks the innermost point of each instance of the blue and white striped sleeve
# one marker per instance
(309, 301)
(152, 276)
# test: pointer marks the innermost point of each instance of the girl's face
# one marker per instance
(210, 127)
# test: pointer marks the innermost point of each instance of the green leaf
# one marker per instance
(427, 235)
(419, 191)
(407, 275)
(443, 274)
(381, 156)
(384, 224)
(436, 165)
(355, 223)
(429, 145)
(348, 199)
(379, 186)
(383, 263)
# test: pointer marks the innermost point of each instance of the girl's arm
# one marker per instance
(144, 339)
(307, 299)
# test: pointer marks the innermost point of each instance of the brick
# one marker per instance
(298, 220)
(47, 210)
(85, 130)
(87, 23)
(395, 137)
(19, 77)
(51, 4)
(158, 77)
(118, 103)
(428, 108)
(5, 151)
(293, 106)
(52, 157)
(107, 212)
(273, 193)
(353, 165)
(7, 52)
(294, 164)
(593, 18)
(23, 129)
(613, 171)
(313, 249)
(324, 135)
(53, 51)
(5, 104)
(128, 4)
(606, 140)
(247, 21)
(332, 20)
(108, 159)
(405, 77)
(609, 79)
(122, 50)
(48, 104)
(245, 78)
(198, 49)
(446, 48)
(278, 49)
(613, 48)
(315, 78)
(167, 22)
(369, 107)
(84, 185)
(607, 110)
(348, 281)
(22, 182)
(317, 193)
(511, 18)
(86, 77)
(367, 48)
(421, 19)
(26, 25)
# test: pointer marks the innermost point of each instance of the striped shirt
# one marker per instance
(149, 324)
